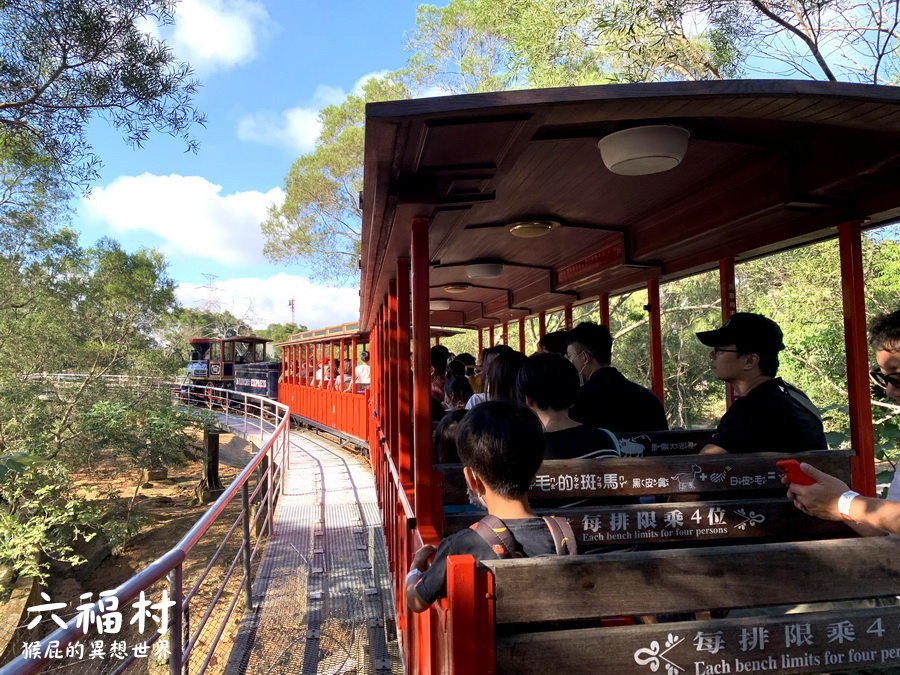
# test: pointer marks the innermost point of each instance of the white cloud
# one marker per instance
(217, 34)
(264, 301)
(189, 213)
(297, 128)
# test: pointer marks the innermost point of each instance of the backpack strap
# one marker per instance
(563, 536)
(498, 537)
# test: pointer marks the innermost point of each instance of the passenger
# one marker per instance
(608, 400)
(477, 380)
(830, 498)
(500, 378)
(554, 343)
(770, 413)
(548, 384)
(457, 392)
(439, 355)
(346, 379)
(501, 447)
(363, 373)
(456, 367)
(444, 437)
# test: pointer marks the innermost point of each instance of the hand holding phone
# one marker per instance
(791, 469)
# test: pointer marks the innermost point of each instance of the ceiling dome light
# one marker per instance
(528, 229)
(456, 288)
(438, 305)
(639, 151)
(484, 270)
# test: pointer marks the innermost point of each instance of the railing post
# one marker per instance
(175, 628)
(728, 295)
(270, 479)
(656, 347)
(248, 580)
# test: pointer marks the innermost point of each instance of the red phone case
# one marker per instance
(791, 469)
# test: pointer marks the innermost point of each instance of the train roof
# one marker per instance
(770, 165)
(236, 338)
(343, 331)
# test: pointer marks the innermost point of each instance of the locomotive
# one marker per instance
(237, 362)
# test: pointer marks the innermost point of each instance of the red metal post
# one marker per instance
(656, 350)
(728, 293)
(504, 332)
(542, 324)
(419, 258)
(603, 308)
(522, 334)
(568, 316)
(404, 389)
(491, 336)
(470, 618)
(393, 375)
(853, 293)
(353, 358)
(480, 344)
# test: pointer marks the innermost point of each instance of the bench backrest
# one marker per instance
(655, 443)
(722, 479)
(587, 588)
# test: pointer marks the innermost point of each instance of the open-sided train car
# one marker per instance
(498, 207)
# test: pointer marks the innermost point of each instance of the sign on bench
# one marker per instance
(587, 588)
(655, 443)
(725, 477)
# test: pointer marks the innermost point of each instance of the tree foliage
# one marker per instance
(66, 60)
(319, 220)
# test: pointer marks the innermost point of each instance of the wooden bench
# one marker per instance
(656, 443)
(723, 515)
(549, 614)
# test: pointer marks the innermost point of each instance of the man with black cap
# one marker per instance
(770, 413)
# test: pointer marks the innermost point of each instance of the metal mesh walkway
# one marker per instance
(324, 602)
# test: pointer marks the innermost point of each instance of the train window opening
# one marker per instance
(630, 327)
(228, 351)
(215, 351)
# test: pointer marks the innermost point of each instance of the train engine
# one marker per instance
(237, 363)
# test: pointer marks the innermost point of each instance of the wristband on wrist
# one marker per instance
(414, 573)
(844, 502)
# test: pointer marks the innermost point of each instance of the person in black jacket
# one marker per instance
(770, 413)
(608, 399)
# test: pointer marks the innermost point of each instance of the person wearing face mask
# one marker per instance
(608, 399)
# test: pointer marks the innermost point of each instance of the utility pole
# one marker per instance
(291, 305)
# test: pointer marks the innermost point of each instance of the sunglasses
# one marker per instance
(883, 380)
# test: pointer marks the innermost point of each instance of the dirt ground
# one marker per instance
(170, 508)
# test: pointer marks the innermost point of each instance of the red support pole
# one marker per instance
(480, 344)
(437, 340)
(470, 618)
(568, 316)
(857, 354)
(392, 417)
(353, 358)
(331, 363)
(728, 293)
(504, 332)
(421, 376)
(404, 389)
(603, 308)
(542, 324)
(656, 351)
(491, 336)
(522, 334)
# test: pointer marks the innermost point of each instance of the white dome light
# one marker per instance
(639, 151)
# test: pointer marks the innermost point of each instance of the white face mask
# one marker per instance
(475, 499)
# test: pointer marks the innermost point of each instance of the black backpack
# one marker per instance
(504, 545)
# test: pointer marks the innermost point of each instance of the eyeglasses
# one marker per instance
(883, 380)
(719, 350)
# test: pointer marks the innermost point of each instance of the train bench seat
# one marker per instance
(664, 490)
(534, 615)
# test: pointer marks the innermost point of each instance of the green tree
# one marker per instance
(279, 332)
(319, 220)
(66, 60)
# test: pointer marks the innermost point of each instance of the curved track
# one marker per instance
(324, 602)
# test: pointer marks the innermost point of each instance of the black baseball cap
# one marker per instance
(750, 333)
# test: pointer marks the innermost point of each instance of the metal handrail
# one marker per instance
(171, 563)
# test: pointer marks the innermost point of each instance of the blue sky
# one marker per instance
(267, 67)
